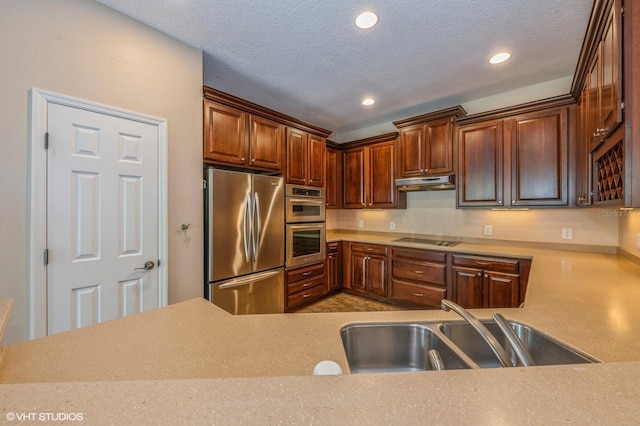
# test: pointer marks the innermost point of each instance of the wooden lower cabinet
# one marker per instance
(304, 285)
(418, 277)
(367, 269)
(333, 267)
(489, 282)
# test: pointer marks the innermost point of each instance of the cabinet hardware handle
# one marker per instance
(242, 159)
(369, 248)
(304, 274)
(253, 160)
(310, 180)
(306, 295)
(482, 263)
(602, 131)
(363, 203)
(499, 202)
(479, 274)
(418, 294)
(418, 272)
(306, 284)
(486, 276)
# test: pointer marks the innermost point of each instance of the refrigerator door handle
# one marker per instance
(257, 223)
(246, 213)
(248, 280)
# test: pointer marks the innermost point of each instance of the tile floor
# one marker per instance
(344, 302)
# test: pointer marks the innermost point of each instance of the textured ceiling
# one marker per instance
(305, 58)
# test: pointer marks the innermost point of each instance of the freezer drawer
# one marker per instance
(260, 293)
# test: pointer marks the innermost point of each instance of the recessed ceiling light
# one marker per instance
(499, 57)
(368, 101)
(366, 20)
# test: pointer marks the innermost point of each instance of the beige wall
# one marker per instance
(435, 213)
(630, 231)
(85, 50)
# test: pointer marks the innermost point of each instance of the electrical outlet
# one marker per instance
(361, 223)
(567, 233)
(488, 230)
(392, 225)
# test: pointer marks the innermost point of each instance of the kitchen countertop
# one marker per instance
(257, 369)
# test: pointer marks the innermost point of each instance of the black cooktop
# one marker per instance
(443, 243)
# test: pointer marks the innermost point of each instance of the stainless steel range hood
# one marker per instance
(435, 183)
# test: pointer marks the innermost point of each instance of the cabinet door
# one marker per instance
(501, 290)
(333, 187)
(611, 71)
(468, 287)
(539, 151)
(353, 184)
(480, 151)
(376, 275)
(593, 101)
(439, 147)
(381, 189)
(411, 152)
(296, 156)
(265, 143)
(358, 266)
(581, 145)
(225, 134)
(315, 160)
(334, 266)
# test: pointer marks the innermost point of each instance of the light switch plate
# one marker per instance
(361, 223)
(567, 233)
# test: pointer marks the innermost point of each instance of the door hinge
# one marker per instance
(46, 140)
(204, 184)
(45, 257)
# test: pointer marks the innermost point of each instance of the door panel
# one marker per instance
(102, 217)
(269, 223)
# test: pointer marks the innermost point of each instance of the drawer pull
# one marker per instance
(418, 272)
(482, 263)
(304, 274)
(369, 249)
(304, 296)
(418, 294)
(306, 284)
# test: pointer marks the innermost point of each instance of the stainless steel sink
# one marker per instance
(544, 349)
(385, 347)
(390, 347)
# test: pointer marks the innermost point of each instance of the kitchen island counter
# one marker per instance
(193, 361)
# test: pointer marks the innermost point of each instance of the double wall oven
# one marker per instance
(305, 228)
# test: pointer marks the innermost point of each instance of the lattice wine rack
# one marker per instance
(610, 172)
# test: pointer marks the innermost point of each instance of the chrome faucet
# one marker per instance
(497, 348)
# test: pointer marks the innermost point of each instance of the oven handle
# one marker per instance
(306, 226)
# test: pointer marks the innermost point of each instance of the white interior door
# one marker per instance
(102, 217)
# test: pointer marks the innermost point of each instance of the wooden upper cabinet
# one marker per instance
(539, 158)
(518, 160)
(369, 172)
(296, 156)
(333, 179)
(265, 143)
(611, 71)
(425, 145)
(243, 135)
(480, 157)
(353, 182)
(234, 137)
(225, 134)
(305, 158)
(381, 189)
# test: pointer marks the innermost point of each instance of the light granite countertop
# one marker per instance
(193, 363)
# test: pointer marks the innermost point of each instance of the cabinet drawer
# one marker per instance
(304, 296)
(487, 263)
(424, 255)
(304, 272)
(428, 273)
(417, 294)
(296, 286)
(333, 247)
(369, 248)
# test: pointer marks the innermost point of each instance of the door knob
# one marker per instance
(147, 266)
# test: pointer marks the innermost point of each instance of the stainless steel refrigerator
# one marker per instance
(244, 215)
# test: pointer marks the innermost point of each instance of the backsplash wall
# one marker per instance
(435, 213)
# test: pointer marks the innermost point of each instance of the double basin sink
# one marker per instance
(387, 347)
